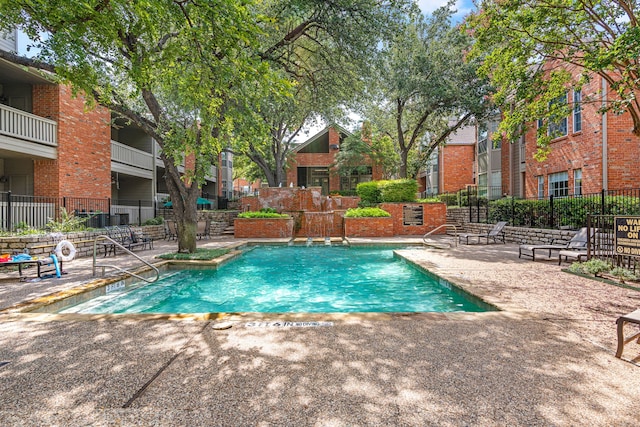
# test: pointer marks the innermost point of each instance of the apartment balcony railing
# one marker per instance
(131, 156)
(29, 127)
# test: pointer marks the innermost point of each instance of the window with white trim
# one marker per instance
(540, 187)
(559, 184)
(577, 182)
(577, 110)
(558, 126)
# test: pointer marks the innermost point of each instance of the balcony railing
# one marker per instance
(29, 127)
(131, 156)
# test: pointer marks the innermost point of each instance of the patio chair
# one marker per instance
(495, 234)
(577, 243)
(202, 230)
(138, 238)
(170, 230)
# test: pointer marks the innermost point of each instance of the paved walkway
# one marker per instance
(546, 359)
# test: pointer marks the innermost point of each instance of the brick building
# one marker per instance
(311, 164)
(593, 151)
(52, 146)
(451, 167)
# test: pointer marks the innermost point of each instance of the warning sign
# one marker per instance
(628, 235)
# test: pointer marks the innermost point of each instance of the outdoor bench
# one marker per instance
(633, 317)
(45, 265)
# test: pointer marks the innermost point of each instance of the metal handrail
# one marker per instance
(103, 266)
(455, 233)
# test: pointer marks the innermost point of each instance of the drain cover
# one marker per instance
(221, 325)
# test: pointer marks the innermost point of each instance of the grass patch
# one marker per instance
(201, 254)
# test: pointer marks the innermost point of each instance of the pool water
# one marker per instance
(286, 279)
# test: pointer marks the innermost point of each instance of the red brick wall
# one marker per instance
(263, 227)
(323, 160)
(83, 167)
(583, 150)
(319, 224)
(434, 215)
(456, 171)
(368, 227)
(580, 150)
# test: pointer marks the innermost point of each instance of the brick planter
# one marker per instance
(368, 227)
(433, 215)
(263, 227)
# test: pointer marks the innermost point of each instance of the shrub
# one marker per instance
(366, 213)
(623, 274)
(261, 214)
(68, 223)
(434, 199)
(154, 221)
(369, 192)
(399, 190)
(593, 267)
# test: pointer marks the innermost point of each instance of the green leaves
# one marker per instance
(534, 51)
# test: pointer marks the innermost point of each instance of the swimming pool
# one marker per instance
(285, 279)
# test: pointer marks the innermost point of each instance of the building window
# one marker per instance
(559, 184)
(577, 111)
(540, 187)
(577, 182)
(483, 137)
(558, 126)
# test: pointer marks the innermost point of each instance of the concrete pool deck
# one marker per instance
(546, 359)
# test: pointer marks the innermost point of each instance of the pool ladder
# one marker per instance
(123, 270)
(438, 244)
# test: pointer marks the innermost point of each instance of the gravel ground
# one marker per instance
(547, 358)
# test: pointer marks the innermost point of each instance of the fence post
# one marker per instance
(603, 193)
(108, 211)
(9, 225)
(469, 203)
(513, 210)
(551, 211)
(139, 212)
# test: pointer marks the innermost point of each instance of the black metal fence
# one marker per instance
(18, 211)
(601, 244)
(570, 212)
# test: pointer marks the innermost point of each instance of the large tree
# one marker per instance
(534, 51)
(426, 90)
(174, 68)
(324, 49)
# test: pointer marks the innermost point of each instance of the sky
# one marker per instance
(463, 7)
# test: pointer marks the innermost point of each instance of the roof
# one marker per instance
(319, 134)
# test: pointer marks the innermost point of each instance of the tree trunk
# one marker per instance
(404, 158)
(184, 203)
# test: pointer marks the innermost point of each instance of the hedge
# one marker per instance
(366, 213)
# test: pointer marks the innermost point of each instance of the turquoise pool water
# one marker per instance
(286, 279)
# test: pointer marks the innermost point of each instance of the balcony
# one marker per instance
(130, 160)
(28, 127)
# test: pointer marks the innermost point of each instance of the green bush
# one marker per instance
(154, 221)
(399, 190)
(369, 193)
(434, 199)
(366, 213)
(594, 267)
(67, 223)
(261, 214)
